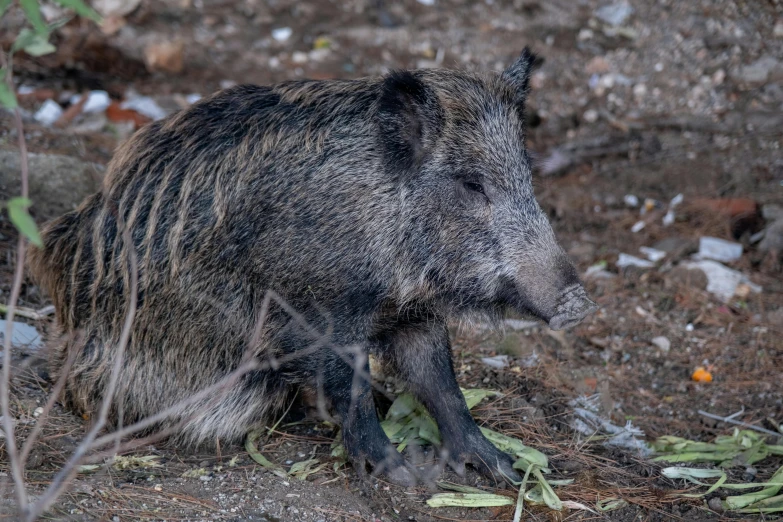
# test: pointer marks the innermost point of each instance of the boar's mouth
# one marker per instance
(571, 307)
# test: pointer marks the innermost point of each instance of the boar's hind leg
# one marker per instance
(364, 439)
(421, 353)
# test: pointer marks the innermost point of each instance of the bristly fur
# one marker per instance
(372, 207)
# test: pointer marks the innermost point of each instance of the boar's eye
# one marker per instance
(474, 187)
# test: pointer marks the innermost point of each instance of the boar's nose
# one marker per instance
(572, 307)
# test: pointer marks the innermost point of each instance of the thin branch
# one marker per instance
(71, 467)
(5, 381)
(53, 396)
(731, 420)
(35, 315)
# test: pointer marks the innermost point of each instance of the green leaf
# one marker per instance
(475, 396)
(550, 497)
(514, 447)
(459, 488)
(468, 500)
(521, 495)
(24, 38)
(39, 45)
(610, 504)
(81, 9)
(7, 96)
(17, 211)
(252, 450)
(745, 501)
(305, 468)
(33, 14)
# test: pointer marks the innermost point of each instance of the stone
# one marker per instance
(762, 70)
(614, 14)
(57, 184)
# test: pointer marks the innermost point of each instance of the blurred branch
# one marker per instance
(5, 381)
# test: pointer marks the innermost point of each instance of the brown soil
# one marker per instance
(689, 58)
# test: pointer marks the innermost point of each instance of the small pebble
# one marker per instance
(716, 504)
(282, 34)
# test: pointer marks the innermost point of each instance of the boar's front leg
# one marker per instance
(420, 351)
(350, 394)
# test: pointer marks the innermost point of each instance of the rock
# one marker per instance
(165, 56)
(49, 113)
(772, 212)
(762, 70)
(773, 237)
(597, 65)
(716, 504)
(689, 277)
(23, 335)
(58, 184)
(777, 31)
(498, 361)
(614, 14)
(676, 246)
(721, 280)
(97, 101)
(662, 342)
(652, 254)
(114, 8)
(145, 106)
(625, 260)
(719, 249)
(282, 34)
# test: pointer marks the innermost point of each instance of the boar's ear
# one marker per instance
(410, 119)
(517, 75)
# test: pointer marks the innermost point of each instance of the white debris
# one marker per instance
(145, 106)
(631, 200)
(49, 113)
(498, 361)
(38, 411)
(519, 324)
(589, 422)
(598, 272)
(676, 200)
(614, 14)
(662, 342)
(23, 335)
(721, 280)
(719, 249)
(653, 254)
(624, 260)
(115, 8)
(281, 34)
(299, 57)
(590, 115)
(192, 98)
(668, 219)
(639, 225)
(426, 2)
(97, 101)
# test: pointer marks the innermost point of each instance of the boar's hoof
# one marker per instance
(392, 468)
(487, 459)
(573, 306)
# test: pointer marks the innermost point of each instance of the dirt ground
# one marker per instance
(678, 98)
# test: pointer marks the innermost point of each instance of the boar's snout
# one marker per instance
(572, 307)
